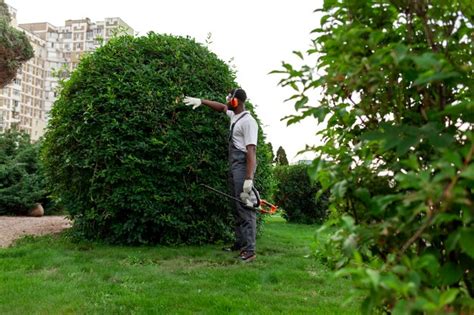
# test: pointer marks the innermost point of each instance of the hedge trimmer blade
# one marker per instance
(262, 206)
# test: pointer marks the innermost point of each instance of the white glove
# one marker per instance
(192, 101)
(248, 184)
(245, 197)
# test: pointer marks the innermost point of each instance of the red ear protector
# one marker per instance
(232, 100)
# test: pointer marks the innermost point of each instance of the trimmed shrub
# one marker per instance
(21, 182)
(296, 195)
(125, 156)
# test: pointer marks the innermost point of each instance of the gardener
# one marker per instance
(243, 162)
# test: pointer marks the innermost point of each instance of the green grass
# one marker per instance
(52, 275)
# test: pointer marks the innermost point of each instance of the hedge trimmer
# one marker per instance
(262, 206)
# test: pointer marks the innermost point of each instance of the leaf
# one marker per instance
(319, 113)
(349, 245)
(324, 19)
(299, 54)
(453, 157)
(348, 222)
(368, 305)
(376, 37)
(382, 202)
(463, 110)
(300, 103)
(446, 218)
(411, 162)
(406, 144)
(374, 277)
(430, 76)
(426, 61)
(448, 297)
(363, 194)
(428, 262)
(401, 308)
(466, 241)
(400, 52)
(450, 273)
(339, 189)
(468, 172)
(453, 240)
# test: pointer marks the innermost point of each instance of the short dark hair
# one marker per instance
(239, 94)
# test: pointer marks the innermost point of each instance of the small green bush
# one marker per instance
(125, 156)
(296, 195)
(21, 181)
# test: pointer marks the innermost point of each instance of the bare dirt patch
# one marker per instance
(12, 228)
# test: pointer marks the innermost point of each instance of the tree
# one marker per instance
(296, 195)
(281, 158)
(270, 148)
(15, 47)
(397, 81)
(125, 156)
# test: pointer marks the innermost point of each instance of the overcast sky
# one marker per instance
(257, 34)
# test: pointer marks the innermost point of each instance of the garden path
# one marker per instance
(12, 228)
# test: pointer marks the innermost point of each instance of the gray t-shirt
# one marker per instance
(245, 131)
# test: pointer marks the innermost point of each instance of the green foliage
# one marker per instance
(14, 47)
(21, 181)
(397, 84)
(124, 155)
(298, 196)
(281, 158)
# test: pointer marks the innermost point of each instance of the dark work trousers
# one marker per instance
(245, 218)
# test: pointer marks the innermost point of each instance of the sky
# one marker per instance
(255, 35)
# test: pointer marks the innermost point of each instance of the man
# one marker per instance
(243, 163)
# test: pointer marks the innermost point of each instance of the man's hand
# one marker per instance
(192, 101)
(245, 197)
(248, 184)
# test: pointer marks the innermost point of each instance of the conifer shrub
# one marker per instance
(22, 183)
(296, 194)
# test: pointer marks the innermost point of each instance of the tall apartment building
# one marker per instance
(33, 92)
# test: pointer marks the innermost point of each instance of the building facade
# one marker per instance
(22, 101)
(28, 100)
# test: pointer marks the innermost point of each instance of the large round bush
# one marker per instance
(125, 157)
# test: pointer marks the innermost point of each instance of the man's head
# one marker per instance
(236, 98)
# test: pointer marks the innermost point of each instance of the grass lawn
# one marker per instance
(52, 275)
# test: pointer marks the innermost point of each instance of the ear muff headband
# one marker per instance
(234, 102)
